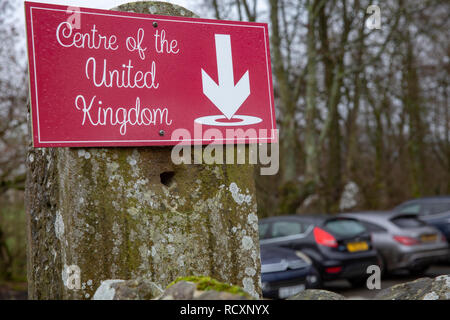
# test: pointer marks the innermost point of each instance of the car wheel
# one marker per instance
(314, 281)
(358, 282)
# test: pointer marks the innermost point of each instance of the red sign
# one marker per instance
(108, 78)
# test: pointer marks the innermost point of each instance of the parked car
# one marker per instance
(285, 272)
(339, 247)
(403, 240)
(425, 206)
(440, 221)
(432, 210)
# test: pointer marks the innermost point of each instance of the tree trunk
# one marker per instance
(312, 162)
(289, 196)
(412, 104)
(5, 258)
(334, 73)
(122, 213)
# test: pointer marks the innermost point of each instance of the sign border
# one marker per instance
(29, 6)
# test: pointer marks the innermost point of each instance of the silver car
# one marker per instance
(403, 241)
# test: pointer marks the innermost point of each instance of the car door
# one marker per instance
(285, 233)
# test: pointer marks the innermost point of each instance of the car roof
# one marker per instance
(445, 198)
(377, 215)
(313, 218)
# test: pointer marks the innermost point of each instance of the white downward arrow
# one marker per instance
(226, 96)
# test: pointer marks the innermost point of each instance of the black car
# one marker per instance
(340, 248)
(285, 272)
(440, 221)
(433, 210)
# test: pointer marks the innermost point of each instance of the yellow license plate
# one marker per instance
(428, 238)
(357, 246)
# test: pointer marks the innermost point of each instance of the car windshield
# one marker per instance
(345, 227)
(406, 222)
(285, 228)
(412, 208)
(263, 227)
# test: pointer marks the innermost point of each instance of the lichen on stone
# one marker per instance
(106, 291)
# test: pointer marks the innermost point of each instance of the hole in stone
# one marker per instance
(167, 178)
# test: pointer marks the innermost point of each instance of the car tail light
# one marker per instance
(407, 241)
(324, 238)
(333, 270)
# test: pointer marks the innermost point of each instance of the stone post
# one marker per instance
(123, 213)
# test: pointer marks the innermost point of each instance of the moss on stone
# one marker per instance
(207, 283)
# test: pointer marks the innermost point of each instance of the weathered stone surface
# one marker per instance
(106, 290)
(216, 295)
(316, 294)
(420, 289)
(182, 290)
(108, 211)
(156, 7)
(203, 288)
(138, 289)
(200, 288)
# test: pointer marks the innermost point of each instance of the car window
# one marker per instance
(435, 208)
(411, 208)
(373, 227)
(345, 227)
(285, 228)
(306, 226)
(263, 228)
(406, 222)
(427, 209)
